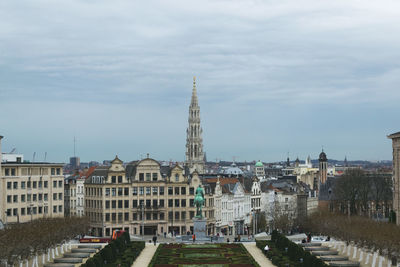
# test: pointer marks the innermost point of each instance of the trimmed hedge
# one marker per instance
(120, 252)
(291, 257)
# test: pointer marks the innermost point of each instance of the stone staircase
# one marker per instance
(75, 257)
(329, 256)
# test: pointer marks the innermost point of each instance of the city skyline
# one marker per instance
(272, 78)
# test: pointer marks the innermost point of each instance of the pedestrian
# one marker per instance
(266, 249)
(154, 239)
(194, 238)
(165, 234)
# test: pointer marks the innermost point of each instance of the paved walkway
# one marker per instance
(257, 254)
(145, 256)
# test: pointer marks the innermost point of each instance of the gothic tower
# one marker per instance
(194, 141)
(323, 167)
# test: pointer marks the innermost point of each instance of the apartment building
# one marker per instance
(143, 198)
(30, 191)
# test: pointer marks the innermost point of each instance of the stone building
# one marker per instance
(30, 191)
(142, 199)
(396, 174)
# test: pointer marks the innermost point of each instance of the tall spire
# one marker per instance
(194, 141)
(194, 94)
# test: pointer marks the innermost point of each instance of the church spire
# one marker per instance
(194, 141)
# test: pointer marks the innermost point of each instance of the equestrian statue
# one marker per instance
(199, 202)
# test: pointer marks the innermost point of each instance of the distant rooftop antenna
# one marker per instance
(45, 156)
(34, 155)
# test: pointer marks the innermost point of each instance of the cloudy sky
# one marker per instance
(272, 76)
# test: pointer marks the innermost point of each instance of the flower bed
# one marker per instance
(207, 255)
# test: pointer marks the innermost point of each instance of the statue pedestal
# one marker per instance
(199, 228)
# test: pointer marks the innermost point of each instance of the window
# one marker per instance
(155, 176)
(60, 183)
(107, 217)
(148, 176)
(113, 217)
(22, 185)
(176, 215)
(170, 215)
(120, 192)
(154, 203)
(55, 209)
(12, 172)
(191, 202)
(22, 211)
(161, 203)
(60, 196)
(29, 183)
(7, 173)
(141, 176)
(53, 171)
(155, 191)
(8, 185)
(107, 204)
(183, 215)
(8, 212)
(162, 216)
(134, 216)
(191, 191)
(161, 191)
(8, 199)
(176, 202)
(141, 190)
(134, 191)
(176, 190)
(15, 185)
(134, 203)
(170, 192)
(114, 204)
(28, 198)
(34, 197)
(126, 191)
(46, 184)
(40, 196)
(15, 212)
(54, 196)
(60, 208)
(183, 190)
(126, 216)
(176, 177)
(40, 184)
(120, 179)
(170, 202)
(191, 214)
(120, 204)
(34, 184)
(126, 204)
(113, 179)
(40, 210)
(148, 190)
(58, 171)
(22, 198)
(45, 197)
(54, 184)
(148, 216)
(183, 202)
(148, 203)
(107, 192)
(155, 216)
(113, 191)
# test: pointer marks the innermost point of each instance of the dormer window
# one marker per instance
(176, 177)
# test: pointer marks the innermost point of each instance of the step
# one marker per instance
(344, 263)
(90, 246)
(312, 244)
(324, 253)
(83, 250)
(316, 248)
(334, 258)
(59, 265)
(68, 260)
(76, 255)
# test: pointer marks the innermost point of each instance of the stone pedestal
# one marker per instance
(199, 228)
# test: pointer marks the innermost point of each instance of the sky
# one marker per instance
(274, 78)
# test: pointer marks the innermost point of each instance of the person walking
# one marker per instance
(154, 239)
(194, 238)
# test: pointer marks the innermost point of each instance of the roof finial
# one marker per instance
(194, 93)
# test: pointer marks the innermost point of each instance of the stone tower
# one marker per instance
(323, 167)
(194, 142)
(396, 174)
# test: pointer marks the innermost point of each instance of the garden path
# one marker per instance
(145, 257)
(257, 254)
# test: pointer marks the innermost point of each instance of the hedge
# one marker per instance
(281, 257)
(120, 252)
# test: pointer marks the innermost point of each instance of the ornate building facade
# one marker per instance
(194, 141)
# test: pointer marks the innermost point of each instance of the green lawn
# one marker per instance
(206, 255)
